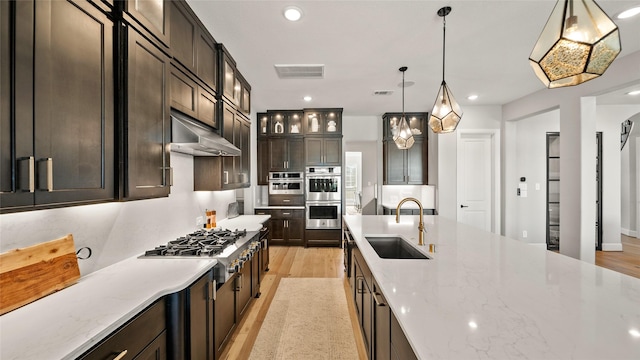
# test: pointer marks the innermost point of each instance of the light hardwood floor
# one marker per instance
(327, 262)
(289, 262)
(626, 261)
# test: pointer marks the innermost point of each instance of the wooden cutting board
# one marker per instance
(30, 273)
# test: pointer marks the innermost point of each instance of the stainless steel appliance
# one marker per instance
(286, 183)
(323, 215)
(231, 248)
(324, 183)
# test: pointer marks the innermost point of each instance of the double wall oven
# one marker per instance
(323, 191)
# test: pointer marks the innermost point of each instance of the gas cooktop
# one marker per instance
(200, 243)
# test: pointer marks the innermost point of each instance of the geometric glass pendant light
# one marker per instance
(577, 44)
(446, 112)
(403, 136)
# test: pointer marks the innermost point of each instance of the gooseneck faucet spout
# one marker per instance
(420, 224)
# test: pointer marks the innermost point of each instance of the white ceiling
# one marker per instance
(363, 43)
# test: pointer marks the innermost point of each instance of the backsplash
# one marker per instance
(119, 230)
(392, 194)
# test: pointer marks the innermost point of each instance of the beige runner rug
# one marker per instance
(308, 319)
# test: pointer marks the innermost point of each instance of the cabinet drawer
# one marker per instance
(288, 214)
(134, 336)
(286, 200)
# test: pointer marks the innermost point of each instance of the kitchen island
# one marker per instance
(482, 295)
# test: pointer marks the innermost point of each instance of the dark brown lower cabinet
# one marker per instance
(329, 237)
(144, 337)
(381, 347)
(225, 315)
(382, 335)
(200, 322)
(286, 227)
(243, 289)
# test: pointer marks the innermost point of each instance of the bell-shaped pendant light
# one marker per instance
(577, 44)
(403, 137)
(446, 112)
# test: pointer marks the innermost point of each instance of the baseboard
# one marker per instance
(628, 232)
(611, 247)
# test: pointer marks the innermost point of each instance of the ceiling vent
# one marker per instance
(300, 71)
(383, 92)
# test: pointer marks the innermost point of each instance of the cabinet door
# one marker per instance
(225, 316)
(279, 154)
(394, 164)
(367, 316)
(229, 80)
(245, 158)
(400, 347)
(332, 151)
(416, 164)
(263, 161)
(16, 117)
(74, 105)
(153, 15)
(183, 92)
(243, 290)
(200, 307)
(183, 35)
(382, 326)
(206, 59)
(277, 232)
(228, 162)
(207, 108)
(313, 151)
(295, 154)
(148, 121)
(156, 350)
(295, 231)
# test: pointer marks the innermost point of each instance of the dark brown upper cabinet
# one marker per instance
(323, 121)
(232, 86)
(58, 130)
(152, 15)
(263, 124)
(405, 167)
(285, 122)
(287, 154)
(192, 98)
(147, 171)
(192, 46)
(323, 150)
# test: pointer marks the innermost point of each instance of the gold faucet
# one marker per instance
(420, 224)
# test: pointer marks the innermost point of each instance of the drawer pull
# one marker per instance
(286, 213)
(378, 300)
(286, 200)
(121, 355)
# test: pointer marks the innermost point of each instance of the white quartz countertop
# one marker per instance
(484, 296)
(248, 222)
(67, 323)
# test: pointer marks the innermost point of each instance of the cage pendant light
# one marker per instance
(446, 112)
(403, 136)
(577, 44)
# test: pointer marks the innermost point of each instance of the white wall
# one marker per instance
(628, 169)
(529, 213)
(119, 230)
(474, 117)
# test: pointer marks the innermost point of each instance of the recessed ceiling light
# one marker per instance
(472, 97)
(629, 13)
(634, 92)
(292, 13)
(307, 98)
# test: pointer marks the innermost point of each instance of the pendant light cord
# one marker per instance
(403, 93)
(444, 29)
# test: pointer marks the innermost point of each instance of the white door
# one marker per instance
(474, 180)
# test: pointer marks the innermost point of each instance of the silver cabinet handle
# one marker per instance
(26, 176)
(170, 175)
(45, 174)
(266, 178)
(378, 300)
(226, 177)
(121, 355)
(286, 200)
(212, 290)
(286, 213)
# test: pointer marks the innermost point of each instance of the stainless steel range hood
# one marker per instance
(190, 137)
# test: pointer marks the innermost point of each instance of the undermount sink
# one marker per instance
(394, 247)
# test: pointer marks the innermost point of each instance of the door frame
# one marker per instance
(494, 137)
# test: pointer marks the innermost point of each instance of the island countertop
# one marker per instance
(486, 296)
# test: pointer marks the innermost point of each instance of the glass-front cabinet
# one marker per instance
(323, 122)
(286, 123)
(416, 123)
